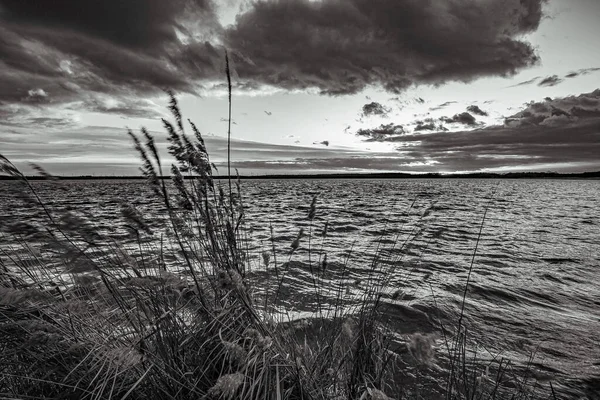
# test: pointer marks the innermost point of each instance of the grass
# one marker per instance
(106, 323)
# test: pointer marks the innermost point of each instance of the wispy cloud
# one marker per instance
(105, 150)
(527, 82)
(441, 106)
(550, 81)
(583, 71)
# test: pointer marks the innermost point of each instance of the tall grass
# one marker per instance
(106, 323)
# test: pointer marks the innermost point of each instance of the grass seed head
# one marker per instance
(421, 348)
(229, 280)
(313, 208)
(348, 329)
(227, 386)
(266, 257)
(296, 243)
(234, 352)
(376, 394)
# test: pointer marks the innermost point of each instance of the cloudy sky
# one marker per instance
(319, 85)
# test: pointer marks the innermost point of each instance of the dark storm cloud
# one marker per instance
(341, 47)
(70, 49)
(60, 52)
(140, 24)
(477, 111)
(550, 81)
(555, 131)
(374, 109)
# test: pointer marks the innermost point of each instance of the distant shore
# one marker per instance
(390, 175)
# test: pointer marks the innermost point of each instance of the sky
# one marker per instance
(319, 86)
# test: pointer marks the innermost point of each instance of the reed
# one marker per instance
(111, 320)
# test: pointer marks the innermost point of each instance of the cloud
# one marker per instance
(580, 112)
(584, 106)
(138, 24)
(379, 133)
(341, 47)
(375, 109)
(463, 118)
(37, 93)
(27, 120)
(550, 81)
(443, 105)
(562, 132)
(105, 150)
(83, 51)
(477, 111)
(429, 124)
(223, 119)
(528, 82)
(345, 163)
(123, 106)
(555, 134)
(583, 71)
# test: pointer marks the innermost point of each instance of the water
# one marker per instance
(534, 286)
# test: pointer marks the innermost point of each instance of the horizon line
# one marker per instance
(349, 175)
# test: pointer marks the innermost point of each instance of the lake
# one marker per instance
(534, 286)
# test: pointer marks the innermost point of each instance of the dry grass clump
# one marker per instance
(105, 324)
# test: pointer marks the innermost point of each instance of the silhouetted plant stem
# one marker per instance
(228, 72)
(462, 307)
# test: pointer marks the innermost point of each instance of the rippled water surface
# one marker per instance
(535, 283)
